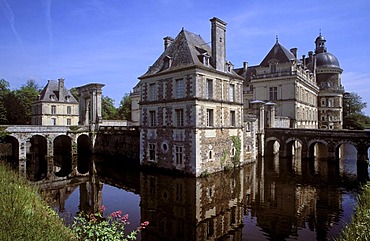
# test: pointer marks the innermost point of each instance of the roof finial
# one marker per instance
(320, 32)
(277, 39)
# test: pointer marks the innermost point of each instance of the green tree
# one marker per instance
(109, 112)
(74, 92)
(353, 117)
(124, 109)
(4, 91)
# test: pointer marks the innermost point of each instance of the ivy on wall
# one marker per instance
(238, 147)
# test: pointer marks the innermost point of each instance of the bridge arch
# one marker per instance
(293, 145)
(83, 153)
(316, 147)
(62, 146)
(36, 161)
(273, 146)
(9, 151)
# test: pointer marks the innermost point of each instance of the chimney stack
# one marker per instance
(61, 88)
(294, 52)
(167, 42)
(218, 38)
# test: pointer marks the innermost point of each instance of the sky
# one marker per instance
(113, 42)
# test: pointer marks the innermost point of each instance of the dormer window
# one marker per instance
(52, 97)
(167, 62)
(68, 98)
(273, 65)
(229, 66)
(205, 59)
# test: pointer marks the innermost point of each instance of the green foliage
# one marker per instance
(238, 147)
(124, 109)
(15, 106)
(74, 92)
(3, 132)
(359, 228)
(24, 215)
(353, 117)
(109, 112)
(96, 227)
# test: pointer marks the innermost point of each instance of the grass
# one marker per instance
(24, 215)
(359, 227)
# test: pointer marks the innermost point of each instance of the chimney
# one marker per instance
(310, 56)
(304, 60)
(167, 42)
(245, 66)
(294, 52)
(61, 88)
(218, 38)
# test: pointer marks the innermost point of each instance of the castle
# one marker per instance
(198, 114)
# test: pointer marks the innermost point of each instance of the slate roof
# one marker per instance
(186, 50)
(52, 89)
(278, 52)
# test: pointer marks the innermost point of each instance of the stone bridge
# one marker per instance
(45, 151)
(308, 138)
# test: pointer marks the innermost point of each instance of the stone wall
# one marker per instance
(123, 144)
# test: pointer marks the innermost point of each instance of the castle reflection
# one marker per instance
(282, 199)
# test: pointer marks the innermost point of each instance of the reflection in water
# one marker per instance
(271, 199)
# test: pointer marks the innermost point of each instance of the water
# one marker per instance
(270, 199)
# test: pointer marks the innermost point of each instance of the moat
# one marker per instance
(270, 199)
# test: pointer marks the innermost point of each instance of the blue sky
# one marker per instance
(115, 41)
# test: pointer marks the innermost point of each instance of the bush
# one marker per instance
(96, 227)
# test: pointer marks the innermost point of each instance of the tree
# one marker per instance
(353, 117)
(27, 94)
(124, 109)
(4, 91)
(74, 92)
(109, 112)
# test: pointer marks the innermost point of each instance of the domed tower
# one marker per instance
(328, 78)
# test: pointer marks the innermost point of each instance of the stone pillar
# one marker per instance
(331, 152)
(50, 159)
(90, 105)
(259, 110)
(22, 157)
(270, 114)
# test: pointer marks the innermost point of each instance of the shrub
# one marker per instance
(96, 227)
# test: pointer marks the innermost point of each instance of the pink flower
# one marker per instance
(124, 218)
(102, 209)
(144, 224)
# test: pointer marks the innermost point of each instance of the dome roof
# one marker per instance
(320, 37)
(326, 60)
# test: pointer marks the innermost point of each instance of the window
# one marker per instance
(53, 109)
(209, 89)
(232, 118)
(180, 90)
(209, 117)
(153, 92)
(273, 93)
(167, 61)
(232, 92)
(69, 110)
(69, 122)
(273, 68)
(151, 152)
(179, 192)
(178, 154)
(152, 118)
(179, 117)
(53, 121)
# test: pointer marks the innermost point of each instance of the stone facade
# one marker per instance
(191, 106)
(55, 106)
(306, 90)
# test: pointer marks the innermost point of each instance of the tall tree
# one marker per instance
(353, 117)
(4, 91)
(109, 112)
(28, 94)
(124, 109)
